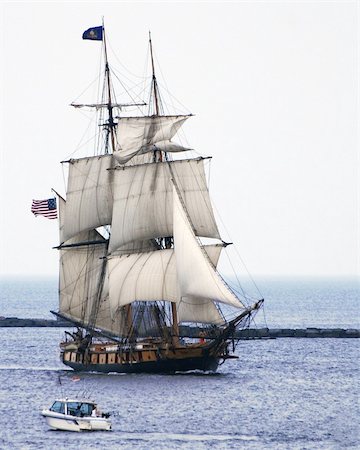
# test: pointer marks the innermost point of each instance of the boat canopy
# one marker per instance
(73, 407)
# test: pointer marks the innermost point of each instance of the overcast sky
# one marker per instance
(274, 90)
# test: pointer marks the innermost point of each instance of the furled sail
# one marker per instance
(89, 195)
(197, 278)
(143, 206)
(150, 276)
(137, 135)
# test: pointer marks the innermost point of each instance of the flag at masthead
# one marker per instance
(94, 34)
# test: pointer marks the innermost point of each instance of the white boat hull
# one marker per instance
(65, 422)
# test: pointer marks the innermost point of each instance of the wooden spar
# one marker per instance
(80, 244)
(156, 100)
(94, 332)
(157, 153)
(109, 103)
(229, 330)
(105, 105)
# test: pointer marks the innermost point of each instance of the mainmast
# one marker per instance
(155, 88)
(156, 96)
(158, 157)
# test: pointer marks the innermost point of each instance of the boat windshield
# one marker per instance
(58, 407)
(79, 409)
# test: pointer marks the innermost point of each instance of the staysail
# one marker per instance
(199, 283)
(184, 275)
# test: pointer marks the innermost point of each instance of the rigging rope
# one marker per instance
(237, 252)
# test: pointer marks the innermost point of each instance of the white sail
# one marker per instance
(197, 278)
(141, 277)
(80, 272)
(148, 277)
(80, 269)
(199, 311)
(143, 206)
(89, 195)
(137, 135)
(165, 146)
(105, 320)
(143, 158)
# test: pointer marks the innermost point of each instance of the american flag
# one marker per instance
(46, 208)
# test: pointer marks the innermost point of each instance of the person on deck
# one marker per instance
(96, 412)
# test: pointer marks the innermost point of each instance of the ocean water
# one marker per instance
(311, 302)
(279, 394)
(289, 302)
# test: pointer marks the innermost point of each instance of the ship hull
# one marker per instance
(149, 356)
(146, 359)
(204, 363)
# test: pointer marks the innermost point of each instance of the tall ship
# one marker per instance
(139, 247)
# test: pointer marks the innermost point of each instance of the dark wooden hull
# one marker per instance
(153, 355)
(145, 359)
(203, 363)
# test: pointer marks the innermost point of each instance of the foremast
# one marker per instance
(110, 124)
(91, 243)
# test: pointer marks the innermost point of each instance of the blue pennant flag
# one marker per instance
(94, 34)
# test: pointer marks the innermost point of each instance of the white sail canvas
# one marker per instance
(197, 278)
(143, 205)
(137, 135)
(89, 196)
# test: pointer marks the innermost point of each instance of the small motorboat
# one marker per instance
(76, 415)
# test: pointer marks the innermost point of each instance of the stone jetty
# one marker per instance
(248, 333)
(268, 333)
(32, 323)
(274, 333)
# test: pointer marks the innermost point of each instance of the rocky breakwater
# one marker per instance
(195, 332)
(16, 322)
(268, 333)
(272, 333)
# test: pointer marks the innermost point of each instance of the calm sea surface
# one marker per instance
(293, 303)
(280, 394)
